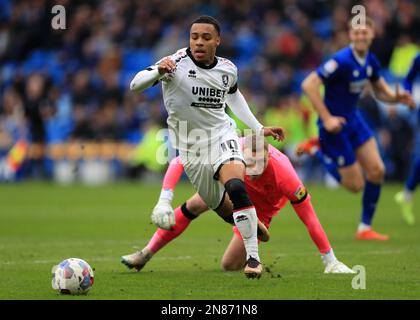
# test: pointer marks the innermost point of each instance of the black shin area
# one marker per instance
(228, 219)
(187, 213)
(237, 194)
(219, 210)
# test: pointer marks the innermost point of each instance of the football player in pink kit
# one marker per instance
(269, 190)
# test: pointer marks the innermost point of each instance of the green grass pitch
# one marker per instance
(42, 224)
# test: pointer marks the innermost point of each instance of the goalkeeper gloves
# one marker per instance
(163, 215)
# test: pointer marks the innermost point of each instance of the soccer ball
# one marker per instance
(72, 276)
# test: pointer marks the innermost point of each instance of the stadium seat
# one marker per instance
(134, 59)
(298, 78)
(8, 71)
(37, 61)
(323, 27)
(125, 77)
(246, 44)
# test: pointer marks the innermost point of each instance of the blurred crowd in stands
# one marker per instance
(61, 86)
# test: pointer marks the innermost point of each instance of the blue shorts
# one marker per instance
(340, 148)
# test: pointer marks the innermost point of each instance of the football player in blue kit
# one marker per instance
(404, 198)
(346, 145)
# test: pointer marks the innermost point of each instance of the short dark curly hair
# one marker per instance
(209, 20)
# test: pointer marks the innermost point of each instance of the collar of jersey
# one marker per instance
(360, 60)
(199, 64)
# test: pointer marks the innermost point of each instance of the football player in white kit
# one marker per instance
(197, 85)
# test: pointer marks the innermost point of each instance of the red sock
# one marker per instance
(306, 213)
(162, 236)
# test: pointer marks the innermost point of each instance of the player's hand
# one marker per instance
(276, 133)
(163, 215)
(166, 65)
(404, 97)
(334, 124)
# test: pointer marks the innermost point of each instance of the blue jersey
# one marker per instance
(344, 76)
(412, 74)
(409, 80)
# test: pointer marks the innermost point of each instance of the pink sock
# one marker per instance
(163, 237)
(306, 213)
(173, 174)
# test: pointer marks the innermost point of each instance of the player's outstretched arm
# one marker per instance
(275, 132)
(240, 108)
(412, 74)
(311, 86)
(307, 215)
(384, 93)
(163, 215)
(149, 77)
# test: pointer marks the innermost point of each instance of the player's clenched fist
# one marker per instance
(163, 215)
(166, 65)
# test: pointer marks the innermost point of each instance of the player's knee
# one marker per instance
(377, 173)
(356, 185)
(230, 265)
(237, 193)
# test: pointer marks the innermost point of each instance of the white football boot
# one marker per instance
(137, 259)
(337, 267)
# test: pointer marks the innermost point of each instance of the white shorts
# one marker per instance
(202, 166)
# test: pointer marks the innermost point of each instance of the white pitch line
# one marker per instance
(93, 260)
(71, 243)
(385, 252)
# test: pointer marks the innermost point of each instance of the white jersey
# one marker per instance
(194, 97)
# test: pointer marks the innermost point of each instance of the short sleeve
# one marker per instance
(234, 87)
(330, 70)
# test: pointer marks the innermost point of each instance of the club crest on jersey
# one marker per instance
(300, 193)
(225, 80)
(329, 67)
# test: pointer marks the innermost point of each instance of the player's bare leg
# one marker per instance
(352, 177)
(234, 257)
(231, 175)
(370, 160)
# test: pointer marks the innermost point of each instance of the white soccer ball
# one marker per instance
(72, 276)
